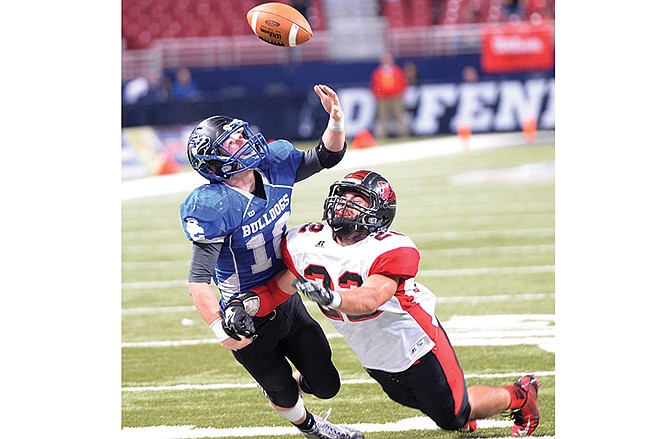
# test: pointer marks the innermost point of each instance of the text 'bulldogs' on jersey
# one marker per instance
(249, 227)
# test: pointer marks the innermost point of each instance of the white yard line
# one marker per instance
(488, 271)
(464, 234)
(486, 330)
(454, 251)
(189, 431)
(451, 299)
(350, 382)
(424, 273)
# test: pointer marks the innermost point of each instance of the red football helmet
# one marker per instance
(378, 216)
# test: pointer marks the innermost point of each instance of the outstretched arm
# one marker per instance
(333, 137)
(375, 291)
(332, 146)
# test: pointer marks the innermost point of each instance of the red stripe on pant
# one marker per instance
(447, 358)
(443, 350)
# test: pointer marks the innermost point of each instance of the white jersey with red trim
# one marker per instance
(403, 329)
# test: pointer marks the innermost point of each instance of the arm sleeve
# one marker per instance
(203, 261)
(318, 158)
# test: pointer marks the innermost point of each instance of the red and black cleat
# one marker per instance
(527, 417)
(469, 427)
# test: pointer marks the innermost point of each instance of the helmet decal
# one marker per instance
(358, 175)
(386, 191)
(198, 143)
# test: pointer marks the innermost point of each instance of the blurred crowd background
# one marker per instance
(486, 65)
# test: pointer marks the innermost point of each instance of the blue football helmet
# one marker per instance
(212, 160)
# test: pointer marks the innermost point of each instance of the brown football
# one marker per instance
(279, 24)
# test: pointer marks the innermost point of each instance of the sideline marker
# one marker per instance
(530, 129)
(168, 164)
(363, 139)
(464, 132)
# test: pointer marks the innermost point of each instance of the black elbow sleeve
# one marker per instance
(328, 158)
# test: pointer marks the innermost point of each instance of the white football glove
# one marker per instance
(317, 292)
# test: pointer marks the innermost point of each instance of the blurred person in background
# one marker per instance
(363, 276)
(470, 74)
(235, 223)
(411, 73)
(184, 87)
(158, 88)
(514, 9)
(388, 85)
(135, 89)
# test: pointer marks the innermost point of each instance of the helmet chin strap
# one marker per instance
(350, 233)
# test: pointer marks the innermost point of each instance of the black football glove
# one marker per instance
(236, 321)
(317, 292)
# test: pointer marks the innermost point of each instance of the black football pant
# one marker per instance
(290, 334)
(434, 384)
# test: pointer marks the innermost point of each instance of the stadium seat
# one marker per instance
(392, 10)
(144, 21)
(421, 13)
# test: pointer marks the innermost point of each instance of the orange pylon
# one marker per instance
(168, 165)
(363, 139)
(530, 130)
(464, 132)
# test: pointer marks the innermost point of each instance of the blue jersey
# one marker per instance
(249, 227)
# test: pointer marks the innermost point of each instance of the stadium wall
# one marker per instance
(279, 102)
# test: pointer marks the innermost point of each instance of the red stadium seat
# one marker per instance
(144, 21)
(392, 10)
(421, 13)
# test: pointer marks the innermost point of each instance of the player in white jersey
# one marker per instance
(362, 275)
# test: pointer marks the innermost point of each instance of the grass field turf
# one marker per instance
(484, 223)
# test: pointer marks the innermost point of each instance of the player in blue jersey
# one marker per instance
(236, 222)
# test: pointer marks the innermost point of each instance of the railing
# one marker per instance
(249, 50)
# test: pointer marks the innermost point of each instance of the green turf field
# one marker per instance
(484, 223)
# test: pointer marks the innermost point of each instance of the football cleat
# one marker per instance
(323, 429)
(469, 427)
(527, 417)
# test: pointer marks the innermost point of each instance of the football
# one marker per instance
(279, 24)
